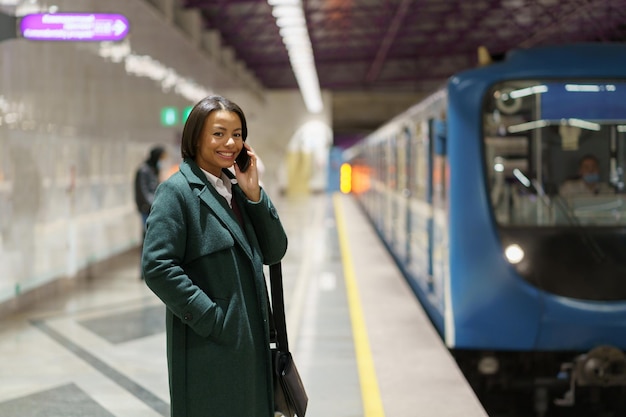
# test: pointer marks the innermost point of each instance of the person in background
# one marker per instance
(146, 181)
(588, 181)
(209, 233)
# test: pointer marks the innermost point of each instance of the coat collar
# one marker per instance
(209, 196)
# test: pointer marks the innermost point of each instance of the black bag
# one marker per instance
(290, 397)
(289, 394)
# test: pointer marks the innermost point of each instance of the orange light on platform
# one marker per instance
(360, 179)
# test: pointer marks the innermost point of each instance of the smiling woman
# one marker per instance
(208, 236)
(213, 137)
(220, 142)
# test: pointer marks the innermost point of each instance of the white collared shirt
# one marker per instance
(222, 185)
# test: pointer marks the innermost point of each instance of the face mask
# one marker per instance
(591, 178)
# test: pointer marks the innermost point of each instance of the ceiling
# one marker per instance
(380, 56)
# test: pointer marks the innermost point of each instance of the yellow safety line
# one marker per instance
(372, 403)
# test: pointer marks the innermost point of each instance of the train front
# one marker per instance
(553, 160)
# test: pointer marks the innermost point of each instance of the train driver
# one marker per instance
(588, 181)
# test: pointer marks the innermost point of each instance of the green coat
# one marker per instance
(209, 273)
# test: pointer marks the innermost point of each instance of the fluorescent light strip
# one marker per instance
(521, 177)
(522, 127)
(537, 124)
(589, 88)
(537, 89)
(583, 124)
(146, 66)
(292, 27)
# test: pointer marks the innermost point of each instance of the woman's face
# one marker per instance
(220, 142)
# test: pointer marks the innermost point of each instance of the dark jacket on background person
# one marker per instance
(147, 180)
(209, 271)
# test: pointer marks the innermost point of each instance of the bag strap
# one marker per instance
(278, 307)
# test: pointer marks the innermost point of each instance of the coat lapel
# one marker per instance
(211, 198)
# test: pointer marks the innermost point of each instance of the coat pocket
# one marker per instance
(220, 321)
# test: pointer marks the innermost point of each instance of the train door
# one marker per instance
(408, 192)
(400, 197)
(390, 188)
(419, 210)
(430, 229)
(440, 243)
(379, 200)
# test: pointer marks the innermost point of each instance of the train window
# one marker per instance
(401, 145)
(420, 158)
(555, 152)
(392, 164)
(408, 157)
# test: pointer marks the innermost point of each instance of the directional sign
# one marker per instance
(74, 27)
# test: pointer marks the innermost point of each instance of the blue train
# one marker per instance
(502, 198)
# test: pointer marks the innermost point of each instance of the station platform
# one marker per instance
(361, 341)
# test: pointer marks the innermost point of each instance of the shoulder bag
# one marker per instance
(290, 397)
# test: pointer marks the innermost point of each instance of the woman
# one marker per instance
(208, 236)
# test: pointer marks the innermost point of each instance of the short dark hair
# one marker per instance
(588, 156)
(155, 154)
(197, 117)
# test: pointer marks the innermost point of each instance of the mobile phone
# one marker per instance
(243, 159)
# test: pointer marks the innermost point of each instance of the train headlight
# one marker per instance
(488, 365)
(514, 253)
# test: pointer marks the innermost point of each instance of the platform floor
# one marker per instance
(361, 342)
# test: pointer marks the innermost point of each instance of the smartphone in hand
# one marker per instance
(243, 159)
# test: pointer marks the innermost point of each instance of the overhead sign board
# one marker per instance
(74, 27)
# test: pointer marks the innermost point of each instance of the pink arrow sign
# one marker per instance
(74, 27)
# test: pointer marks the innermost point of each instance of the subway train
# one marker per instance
(523, 276)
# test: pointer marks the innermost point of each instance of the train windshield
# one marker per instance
(555, 152)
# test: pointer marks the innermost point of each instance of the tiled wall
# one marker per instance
(75, 124)
(73, 127)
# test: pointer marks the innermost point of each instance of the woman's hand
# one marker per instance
(249, 180)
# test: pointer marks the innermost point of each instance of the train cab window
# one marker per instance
(538, 134)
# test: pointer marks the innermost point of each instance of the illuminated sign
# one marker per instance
(186, 112)
(169, 116)
(74, 27)
(172, 116)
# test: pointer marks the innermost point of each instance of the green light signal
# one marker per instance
(169, 116)
(186, 112)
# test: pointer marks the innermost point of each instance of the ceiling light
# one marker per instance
(287, 11)
(288, 21)
(523, 92)
(583, 124)
(522, 127)
(521, 177)
(283, 2)
(292, 28)
(293, 32)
